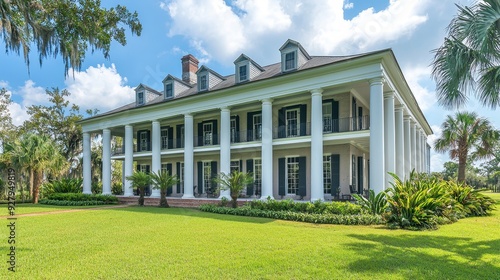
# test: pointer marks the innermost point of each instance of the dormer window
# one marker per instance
(243, 73)
(169, 91)
(140, 98)
(290, 61)
(203, 82)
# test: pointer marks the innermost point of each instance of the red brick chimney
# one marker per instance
(189, 68)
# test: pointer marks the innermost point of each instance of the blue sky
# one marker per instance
(217, 31)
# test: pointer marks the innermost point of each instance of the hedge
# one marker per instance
(107, 199)
(71, 203)
(359, 219)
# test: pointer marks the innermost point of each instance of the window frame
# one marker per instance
(167, 90)
(204, 82)
(327, 174)
(140, 98)
(245, 77)
(290, 63)
(292, 190)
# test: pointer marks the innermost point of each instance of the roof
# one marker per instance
(270, 71)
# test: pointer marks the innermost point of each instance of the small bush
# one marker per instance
(325, 218)
(106, 199)
(64, 185)
(71, 203)
(317, 207)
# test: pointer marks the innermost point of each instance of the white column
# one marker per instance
(267, 149)
(389, 137)
(418, 150)
(423, 148)
(225, 146)
(106, 161)
(407, 146)
(155, 153)
(87, 167)
(377, 162)
(188, 156)
(129, 159)
(400, 149)
(413, 145)
(317, 145)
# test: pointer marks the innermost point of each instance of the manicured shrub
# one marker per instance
(325, 218)
(469, 201)
(107, 199)
(64, 185)
(71, 203)
(374, 204)
(317, 207)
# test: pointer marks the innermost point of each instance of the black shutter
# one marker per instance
(237, 136)
(281, 123)
(200, 134)
(302, 177)
(250, 125)
(178, 168)
(360, 175)
(138, 145)
(200, 178)
(178, 139)
(169, 170)
(303, 119)
(170, 131)
(335, 173)
(148, 169)
(249, 170)
(215, 133)
(138, 168)
(147, 190)
(335, 115)
(282, 170)
(213, 169)
(148, 139)
(241, 165)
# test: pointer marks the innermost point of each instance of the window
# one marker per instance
(143, 141)
(164, 168)
(144, 168)
(169, 91)
(292, 121)
(327, 117)
(234, 131)
(353, 172)
(257, 126)
(203, 82)
(243, 73)
(207, 134)
(235, 165)
(164, 138)
(292, 175)
(181, 133)
(207, 176)
(290, 61)
(257, 176)
(140, 98)
(327, 174)
(180, 174)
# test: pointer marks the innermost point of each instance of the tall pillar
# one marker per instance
(418, 150)
(400, 149)
(87, 167)
(225, 146)
(377, 162)
(155, 153)
(407, 146)
(389, 137)
(424, 149)
(413, 145)
(129, 159)
(106, 161)
(267, 149)
(188, 156)
(317, 145)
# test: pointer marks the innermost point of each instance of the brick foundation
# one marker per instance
(174, 201)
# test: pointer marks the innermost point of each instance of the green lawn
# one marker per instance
(153, 243)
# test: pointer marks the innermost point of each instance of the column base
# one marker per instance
(87, 192)
(106, 193)
(267, 197)
(188, 196)
(226, 196)
(313, 199)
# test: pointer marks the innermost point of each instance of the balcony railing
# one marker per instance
(301, 129)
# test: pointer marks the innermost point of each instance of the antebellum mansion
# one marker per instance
(307, 127)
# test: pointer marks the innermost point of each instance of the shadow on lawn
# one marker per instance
(426, 257)
(191, 212)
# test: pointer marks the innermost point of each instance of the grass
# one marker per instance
(154, 243)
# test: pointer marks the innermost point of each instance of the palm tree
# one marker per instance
(235, 182)
(37, 154)
(469, 58)
(163, 181)
(466, 136)
(140, 180)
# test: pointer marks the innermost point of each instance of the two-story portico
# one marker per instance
(305, 127)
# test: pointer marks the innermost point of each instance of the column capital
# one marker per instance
(106, 130)
(225, 109)
(188, 115)
(267, 100)
(317, 91)
(129, 126)
(377, 80)
(155, 121)
(389, 95)
(399, 107)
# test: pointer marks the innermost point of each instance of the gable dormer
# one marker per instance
(245, 69)
(173, 86)
(207, 78)
(144, 94)
(293, 56)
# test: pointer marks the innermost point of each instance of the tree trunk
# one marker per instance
(37, 181)
(163, 199)
(234, 201)
(462, 164)
(141, 196)
(32, 181)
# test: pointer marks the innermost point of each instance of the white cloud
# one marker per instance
(221, 31)
(437, 162)
(26, 95)
(348, 5)
(18, 114)
(99, 87)
(416, 77)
